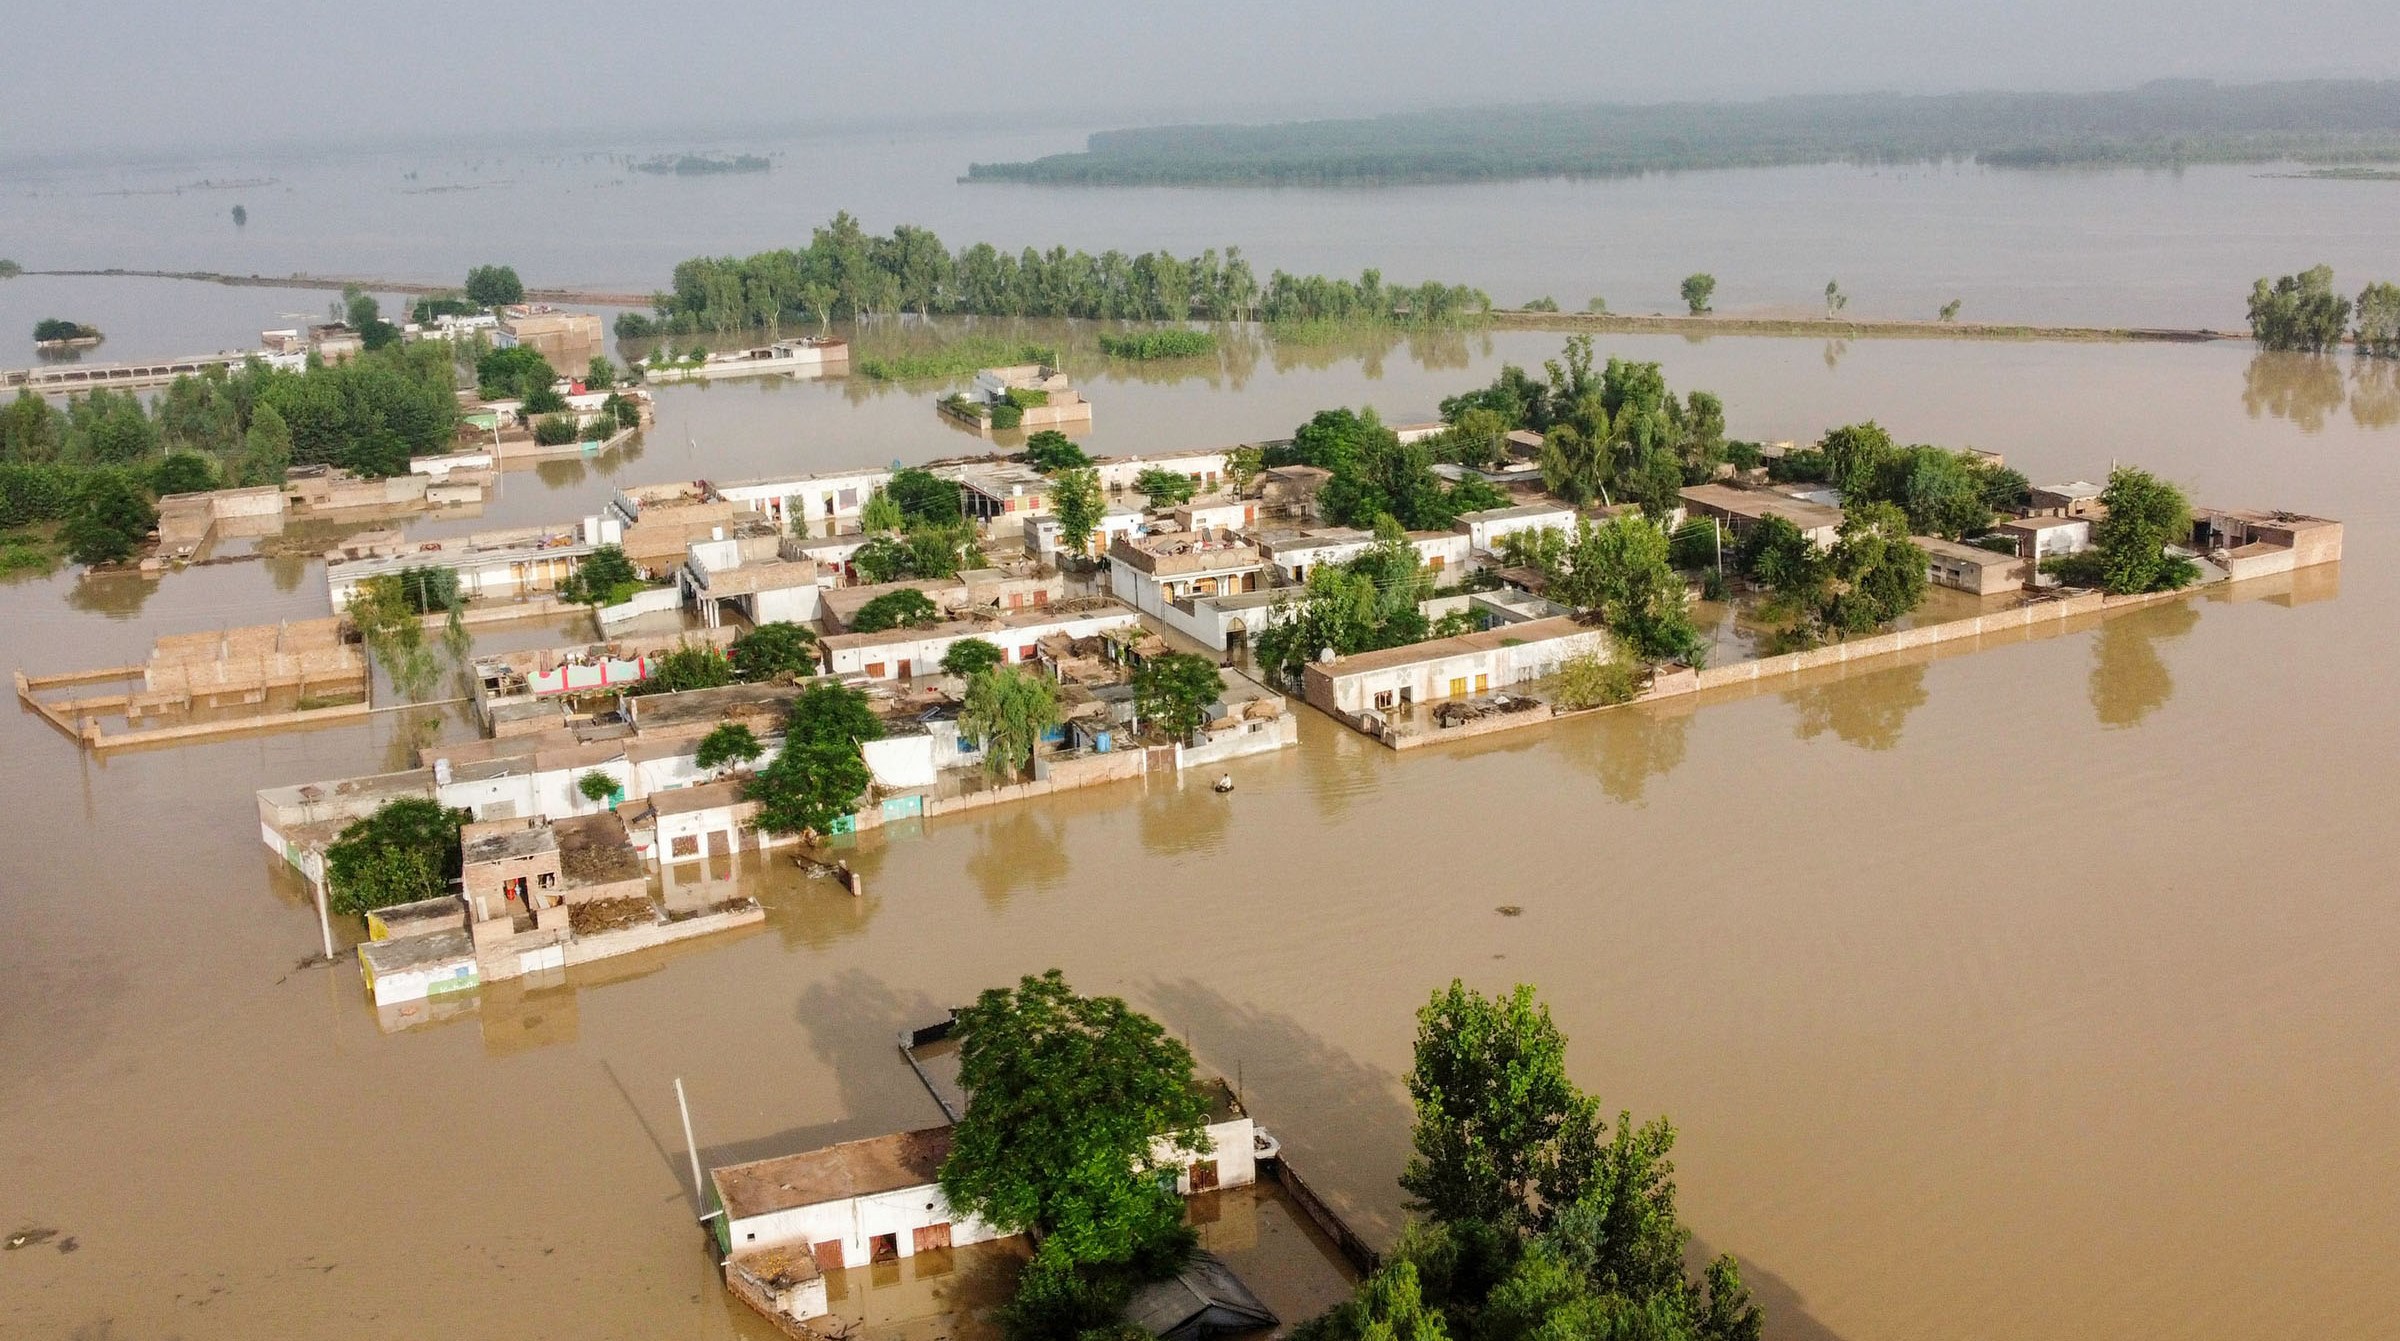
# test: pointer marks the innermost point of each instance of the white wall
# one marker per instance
(854, 1221)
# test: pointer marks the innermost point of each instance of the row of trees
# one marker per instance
(2303, 313)
(845, 272)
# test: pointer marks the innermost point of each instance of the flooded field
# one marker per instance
(2041, 990)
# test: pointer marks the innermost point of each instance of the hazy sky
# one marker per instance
(147, 74)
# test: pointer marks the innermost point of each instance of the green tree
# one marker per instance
(1697, 290)
(1835, 299)
(182, 473)
(2298, 312)
(1173, 691)
(818, 776)
(1165, 488)
(1950, 309)
(1076, 500)
(366, 317)
(605, 577)
(1078, 1110)
(1877, 574)
(774, 650)
(926, 497)
(686, 666)
(879, 515)
(1943, 494)
(1620, 571)
(266, 447)
(109, 520)
(906, 607)
(1009, 711)
(599, 374)
(969, 657)
(2145, 514)
(2378, 331)
(1389, 1306)
(1492, 1100)
(512, 373)
(1050, 451)
(727, 743)
(597, 787)
(406, 851)
(494, 286)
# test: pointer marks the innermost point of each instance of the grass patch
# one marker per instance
(954, 357)
(1166, 344)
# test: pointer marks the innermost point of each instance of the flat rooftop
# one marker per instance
(1177, 552)
(509, 845)
(654, 712)
(1521, 511)
(1508, 635)
(1755, 503)
(1964, 553)
(835, 1173)
(595, 850)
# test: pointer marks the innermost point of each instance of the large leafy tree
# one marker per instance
(407, 850)
(1009, 710)
(686, 666)
(727, 743)
(819, 774)
(1492, 1100)
(1877, 574)
(513, 373)
(1697, 290)
(1165, 488)
(1174, 690)
(110, 518)
(1050, 451)
(494, 286)
(925, 497)
(904, 608)
(1621, 571)
(2128, 554)
(1076, 1107)
(774, 649)
(1076, 499)
(2299, 312)
(2378, 332)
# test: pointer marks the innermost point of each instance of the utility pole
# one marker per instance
(324, 919)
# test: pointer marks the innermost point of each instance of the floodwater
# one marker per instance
(2034, 991)
(2125, 247)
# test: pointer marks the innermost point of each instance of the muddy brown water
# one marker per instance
(2043, 990)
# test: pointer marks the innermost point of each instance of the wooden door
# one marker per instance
(1204, 1175)
(1458, 688)
(828, 1255)
(932, 1237)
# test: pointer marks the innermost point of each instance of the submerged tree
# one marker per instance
(2298, 312)
(1009, 711)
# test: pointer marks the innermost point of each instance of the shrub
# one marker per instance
(1589, 681)
(555, 430)
(1007, 414)
(1167, 344)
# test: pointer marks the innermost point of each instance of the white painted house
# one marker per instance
(809, 501)
(1486, 529)
(1476, 663)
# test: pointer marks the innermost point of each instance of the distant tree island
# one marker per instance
(56, 332)
(2165, 123)
(701, 165)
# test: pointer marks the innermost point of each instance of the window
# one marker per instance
(1383, 698)
(687, 845)
(549, 880)
(1029, 651)
(874, 670)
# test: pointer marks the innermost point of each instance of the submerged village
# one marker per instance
(797, 664)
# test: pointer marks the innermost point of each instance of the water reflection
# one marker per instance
(1626, 748)
(1834, 349)
(2375, 392)
(2303, 388)
(1176, 818)
(116, 595)
(1023, 849)
(1863, 710)
(2129, 680)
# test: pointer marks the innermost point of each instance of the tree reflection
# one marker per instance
(1834, 349)
(1024, 849)
(2374, 392)
(1626, 748)
(2129, 680)
(116, 595)
(1864, 710)
(1177, 819)
(2303, 388)
(560, 473)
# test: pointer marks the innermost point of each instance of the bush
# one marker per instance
(967, 656)
(1165, 488)
(597, 787)
(1006, 414)
(556, 430)
(1589, 681)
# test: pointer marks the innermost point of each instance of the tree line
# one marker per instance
(845, 273)
(79, 463)
(2166, 122)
